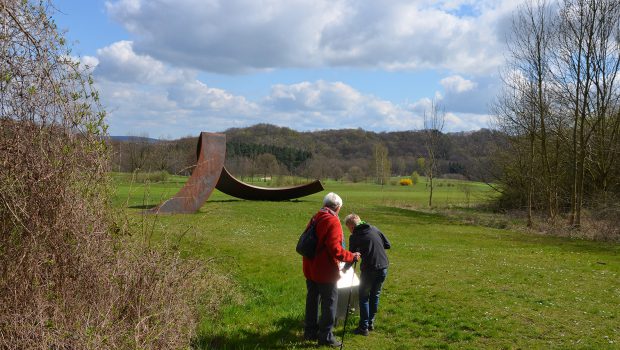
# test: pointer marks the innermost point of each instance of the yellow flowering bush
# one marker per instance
(405, 182)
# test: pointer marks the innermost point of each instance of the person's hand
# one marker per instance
(357, 256)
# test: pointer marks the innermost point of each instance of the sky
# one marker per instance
(173, 68)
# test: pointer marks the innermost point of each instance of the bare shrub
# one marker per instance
(355, 174)
(155, 176)
(454, 177)
(69, 277)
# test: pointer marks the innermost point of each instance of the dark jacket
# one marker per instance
(323, 268)
(371, 244)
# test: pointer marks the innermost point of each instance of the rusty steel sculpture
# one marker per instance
(210, 173)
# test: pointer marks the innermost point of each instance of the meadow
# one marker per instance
(451, 285)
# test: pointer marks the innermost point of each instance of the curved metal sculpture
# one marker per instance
(211, 152)
(231, 186)
(211, 173)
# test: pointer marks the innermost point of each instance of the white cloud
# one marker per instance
(320, 95)
(90, 62)
(237, 36)
(469, 96)
(457, 84)
(334, 105)
(226, 36)
(139, 108)
(119, 62)
(194, 94)
(144, 94)
(466, 121)
(454, 120)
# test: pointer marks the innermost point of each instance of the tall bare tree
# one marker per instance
(382, 164)
(267, 164)
(536, 43)
(434, 120)
(526, 106)
(587, 66)
(517, 119)
(606, 63)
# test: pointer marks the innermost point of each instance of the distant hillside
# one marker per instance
(317, 154)
(460, 152)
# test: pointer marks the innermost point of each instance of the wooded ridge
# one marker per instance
(316, 154)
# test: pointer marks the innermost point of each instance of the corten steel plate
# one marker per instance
(198, 188)
(210, 173)
(233, 187)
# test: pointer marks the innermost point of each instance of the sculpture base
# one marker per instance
(348, 283)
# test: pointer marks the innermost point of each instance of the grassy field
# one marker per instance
(449, 286)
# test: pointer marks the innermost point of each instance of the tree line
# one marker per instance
(265, 150)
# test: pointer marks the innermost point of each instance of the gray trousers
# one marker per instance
(327, 295)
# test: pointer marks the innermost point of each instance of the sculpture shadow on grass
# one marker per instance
(143, 206)
(242, 200)
(225, 200)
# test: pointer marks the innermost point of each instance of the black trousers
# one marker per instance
(327, 295)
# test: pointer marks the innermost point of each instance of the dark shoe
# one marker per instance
(333, 343)
(371, 327)
(361, 331)
(311, 337)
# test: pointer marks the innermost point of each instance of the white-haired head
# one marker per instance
(352, 219)
(332, 201)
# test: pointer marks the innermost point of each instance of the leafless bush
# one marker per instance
(602, 223)
(69, 277)
(595, 227)
(150, 177)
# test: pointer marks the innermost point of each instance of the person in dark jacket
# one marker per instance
(322, 272)
(371, 244)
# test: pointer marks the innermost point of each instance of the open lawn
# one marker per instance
(449, 286)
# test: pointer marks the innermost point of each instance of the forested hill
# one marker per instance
(461, 152)
(318, 154)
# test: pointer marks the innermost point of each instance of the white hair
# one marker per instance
(332, 201)
(352, 219)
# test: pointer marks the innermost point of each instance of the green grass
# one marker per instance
(449, 286)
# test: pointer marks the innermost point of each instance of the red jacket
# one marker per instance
(323, 268)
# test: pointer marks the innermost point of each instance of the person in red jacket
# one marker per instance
(322, 272)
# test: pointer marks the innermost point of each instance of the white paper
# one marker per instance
(347, 279)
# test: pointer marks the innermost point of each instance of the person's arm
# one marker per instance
(353, 244)
(386, 242)
(352, 247)
(333, 237)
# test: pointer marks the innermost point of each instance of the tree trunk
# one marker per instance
(543, 149)
(530, 185)
(430, 197)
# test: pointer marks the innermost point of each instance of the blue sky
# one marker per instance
(171, 68)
